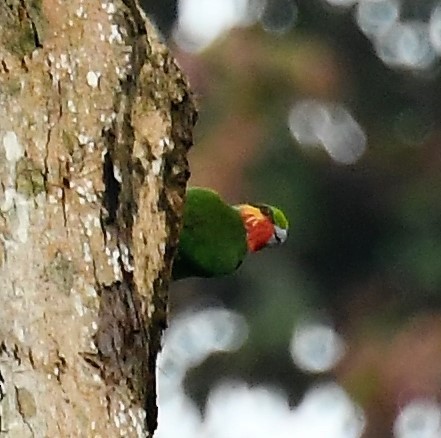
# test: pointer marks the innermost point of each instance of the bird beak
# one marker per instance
(280, 235)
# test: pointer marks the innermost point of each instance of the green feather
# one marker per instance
(279, 218)
(213, 238)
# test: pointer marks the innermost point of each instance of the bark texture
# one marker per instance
(95, 123)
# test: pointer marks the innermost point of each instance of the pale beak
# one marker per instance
(280, 235)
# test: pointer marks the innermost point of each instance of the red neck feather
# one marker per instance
(258, 227)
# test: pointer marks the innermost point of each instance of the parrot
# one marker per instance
(216, 236)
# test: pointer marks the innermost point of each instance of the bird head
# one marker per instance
(265, 225)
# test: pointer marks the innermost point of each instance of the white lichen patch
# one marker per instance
(161, 248)
(8, 201)
(80, 12)
(81, 190)
(90, 146)
(17, 207)
(64, 62)
(109, 7)
(93, 348)
(122, 72)
(117, 173)
(52, 199)
(122, 418)
(157, 166)
(83, 139)
(115, 34)
(115, 263)
(116, 421)
(91, 197)
(13, 149)
(125, 257)
(22, 215)
(166, 144)
(90, 222)
(87, 255)
(59, 66)
(92, 78)
(90, 291)
(151, 309)
(107, 120)
(71, 106)
(19, 332)
(138, 415)
(97, 379)
(79, 307)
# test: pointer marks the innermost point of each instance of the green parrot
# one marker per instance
(216, 237)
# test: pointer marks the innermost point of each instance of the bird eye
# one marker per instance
(266, 211)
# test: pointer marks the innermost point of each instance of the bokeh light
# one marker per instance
(306, 120)
(201, 22)
(327, 411)
(374, 18)
(330, 125)
(419, 419)
(178, 417)
(435, 28)
(407, 44)
(278, 16)
(316, 347)
(191, 338)
(235, 410)
(342, 137)
(362, 78)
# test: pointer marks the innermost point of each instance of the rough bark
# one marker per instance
(95, 123)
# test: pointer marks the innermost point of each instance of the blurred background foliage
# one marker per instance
(364, 251)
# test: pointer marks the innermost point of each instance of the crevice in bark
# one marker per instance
(120, 339)
(112, 190)
(137, 17)
(5, 66)
(2, 388)
(156, 328)
(132, 178)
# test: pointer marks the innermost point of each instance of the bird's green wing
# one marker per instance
(213, 239)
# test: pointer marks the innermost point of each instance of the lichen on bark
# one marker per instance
(95, 123)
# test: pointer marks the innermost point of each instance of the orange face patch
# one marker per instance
(258, 227)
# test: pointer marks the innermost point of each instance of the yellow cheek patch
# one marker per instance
(258, 227)
(250, 213)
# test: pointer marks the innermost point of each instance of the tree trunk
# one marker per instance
(95, 123)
